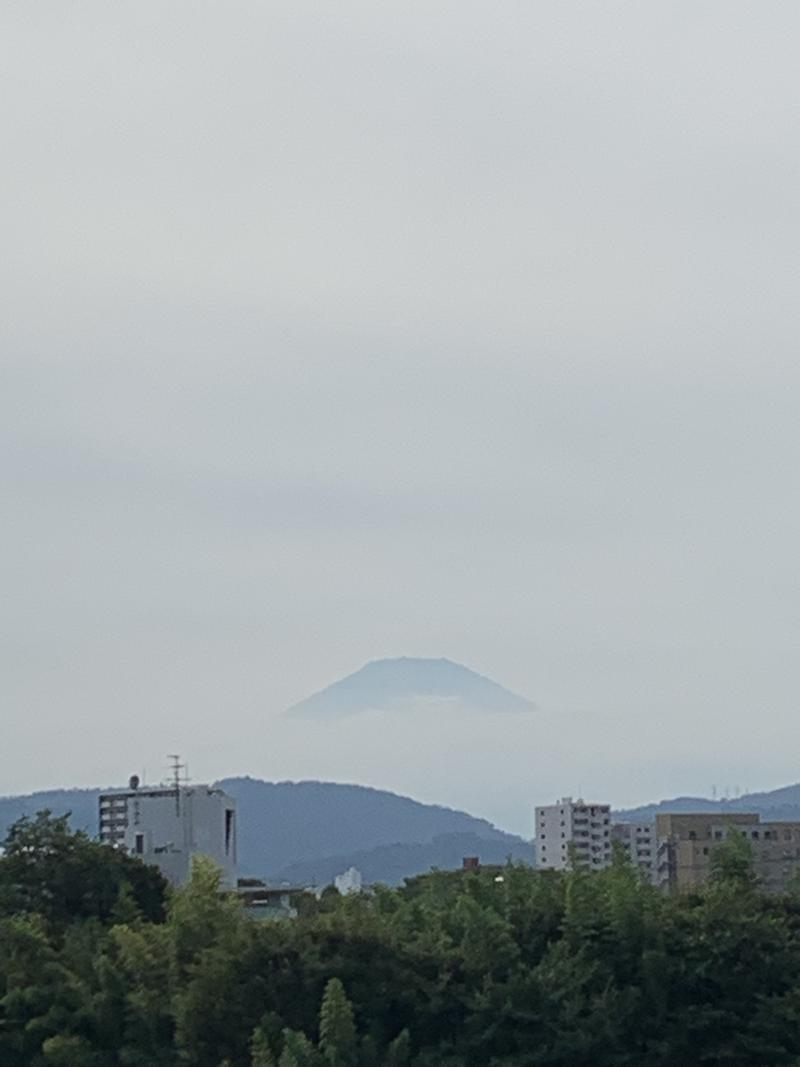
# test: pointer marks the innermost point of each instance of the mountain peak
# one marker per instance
(391, 684)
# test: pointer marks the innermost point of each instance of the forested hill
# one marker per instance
(81, 804)
(777, 804)
(284, 824)
(391, 864)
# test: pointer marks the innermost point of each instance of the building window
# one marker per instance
(138, 847)
(228, 830)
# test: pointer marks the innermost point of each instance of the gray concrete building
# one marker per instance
(168, 825)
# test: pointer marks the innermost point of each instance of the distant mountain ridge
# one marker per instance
(283, 824)
(386, 684)
(390, 864)
(775, 805)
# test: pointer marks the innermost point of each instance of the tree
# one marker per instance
(260, 1052)
(399, 1051)
(298, 1051)
(64, 1051)
(732, 861)
(337, 1029)
(61, 874)
(209, 935)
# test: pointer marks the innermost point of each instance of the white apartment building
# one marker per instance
(168, 825)
(573, 831)
(348, 881)
(640, 844)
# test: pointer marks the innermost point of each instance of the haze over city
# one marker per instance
(450, 330)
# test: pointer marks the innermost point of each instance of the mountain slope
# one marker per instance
(81, 804)
(390, 864)
(776, 804)
(386, 684)
(285, 823)
(282, 823)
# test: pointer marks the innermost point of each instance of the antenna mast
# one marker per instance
(177, 778)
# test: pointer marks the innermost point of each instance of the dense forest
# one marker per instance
(100, 965)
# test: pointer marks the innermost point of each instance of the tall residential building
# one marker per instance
(640, 845)
(167, 825)
(572, 831)
(686, 843)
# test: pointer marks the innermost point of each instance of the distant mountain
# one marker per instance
(282, 824)
(387, 684)
(286, 823)
(390, 864)
(80, 803)
(775, 805)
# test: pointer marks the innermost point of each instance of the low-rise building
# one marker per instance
(262, 901)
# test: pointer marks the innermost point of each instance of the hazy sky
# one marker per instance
(338, 331)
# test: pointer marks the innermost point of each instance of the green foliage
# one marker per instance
(337, 1028)
(298, 1051)
(398, 1053)
(484, 969)
(260, 1051)
(62, 875)
(732, 861)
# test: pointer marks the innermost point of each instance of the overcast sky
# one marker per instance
(338, 331)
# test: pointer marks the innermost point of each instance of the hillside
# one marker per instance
(390, 864)
(80, 803)
(282, 824)
(388, 684)
(776, 804)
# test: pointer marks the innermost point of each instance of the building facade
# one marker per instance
(573, 832)
(167, 826)
(640, 844)
(686, 843)
(348, 881)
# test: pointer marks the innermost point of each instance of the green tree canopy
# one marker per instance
(62, 875)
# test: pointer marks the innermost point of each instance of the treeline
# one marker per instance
(101, 966)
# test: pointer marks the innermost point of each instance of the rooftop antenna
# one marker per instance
(177, 778)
